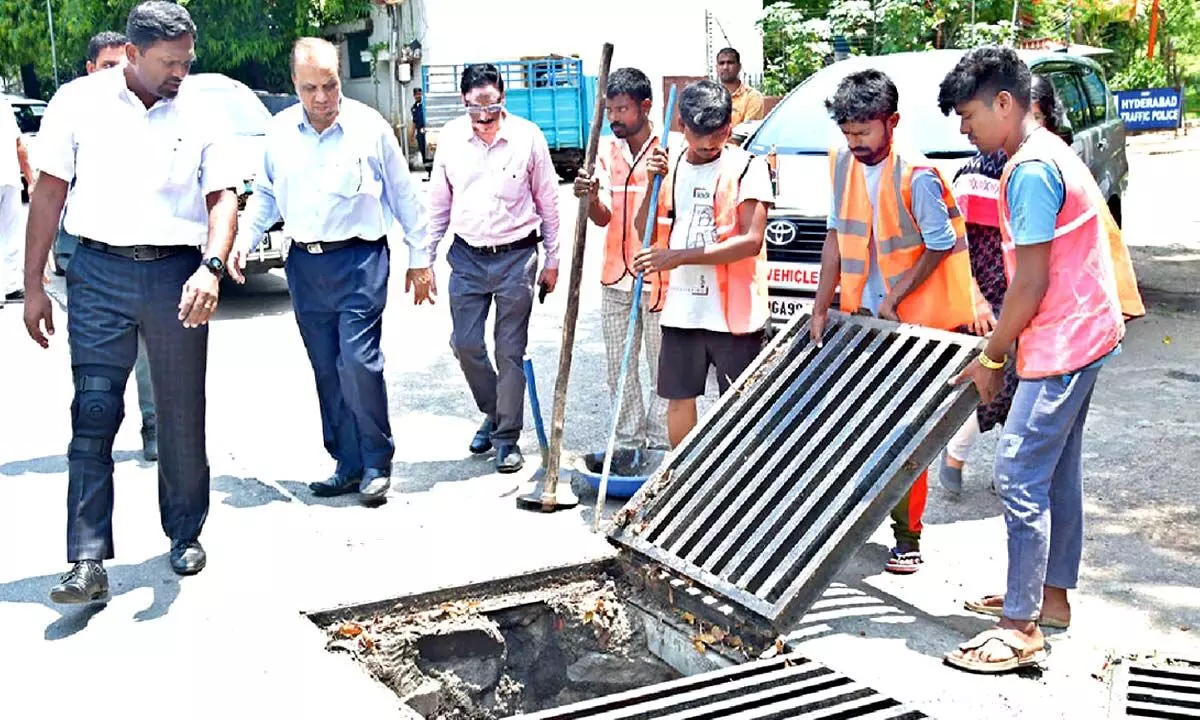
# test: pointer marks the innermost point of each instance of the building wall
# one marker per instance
(661, 38)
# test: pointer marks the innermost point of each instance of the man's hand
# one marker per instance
(587, 187)
(656, 163)
(424, 282)
(548, 279)
(989, 383)
(38, 312)
(656, 260)
(816, 327)
(237, 264)
(985, 322)
(199, 299)
(887, 309)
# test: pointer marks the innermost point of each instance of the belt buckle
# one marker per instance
(137, 254)
(314, 248)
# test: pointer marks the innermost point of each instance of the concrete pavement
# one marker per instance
(233, 639)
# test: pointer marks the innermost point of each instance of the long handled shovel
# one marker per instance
(647, 235)
(545, 494)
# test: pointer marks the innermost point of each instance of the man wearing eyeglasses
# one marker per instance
(493, 184)
(334, 172)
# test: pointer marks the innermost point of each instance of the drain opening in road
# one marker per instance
(496, 657)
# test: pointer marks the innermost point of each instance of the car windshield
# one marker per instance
(801, 125)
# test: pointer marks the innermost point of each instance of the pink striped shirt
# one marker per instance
(494, 195)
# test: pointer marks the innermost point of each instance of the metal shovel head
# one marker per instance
(564, 497)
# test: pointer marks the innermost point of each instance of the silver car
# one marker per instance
(800, 132)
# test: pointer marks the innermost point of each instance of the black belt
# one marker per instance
(530, 240)
(137, 252)
(318, 248)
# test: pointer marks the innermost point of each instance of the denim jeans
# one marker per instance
(1039, 478)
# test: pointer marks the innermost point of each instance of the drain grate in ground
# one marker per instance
(801, 461)
(781, 687)
(1167, 689)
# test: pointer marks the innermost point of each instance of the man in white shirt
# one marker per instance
(334, 172)
(12, 167)
(138, 267)
(708, 265)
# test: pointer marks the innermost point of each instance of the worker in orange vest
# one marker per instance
(896, 245)
(615, 192)
(707, 266)
(1069, 293)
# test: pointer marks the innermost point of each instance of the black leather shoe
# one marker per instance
(482, 442)
(150, 444)
(336, 485)
(374, 484)
(509, 459)
(187, 557)
(86, 582)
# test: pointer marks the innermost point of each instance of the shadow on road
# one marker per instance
(154, 573)
(55, 464)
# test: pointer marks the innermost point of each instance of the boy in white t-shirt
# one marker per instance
(707, 267)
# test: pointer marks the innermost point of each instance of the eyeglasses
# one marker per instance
(480, 109)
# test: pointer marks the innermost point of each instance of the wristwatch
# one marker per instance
(215, 266)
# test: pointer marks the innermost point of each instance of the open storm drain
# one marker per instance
(582, 642)
(1164, 688)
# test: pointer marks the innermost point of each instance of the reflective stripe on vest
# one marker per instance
(629, 185)
(742, 284)
(1079, 320)
(945, 299)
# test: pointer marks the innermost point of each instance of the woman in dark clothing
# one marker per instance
(976, 189)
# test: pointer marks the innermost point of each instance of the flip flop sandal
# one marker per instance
(1022, 656)
(978, 606)
(904, 563)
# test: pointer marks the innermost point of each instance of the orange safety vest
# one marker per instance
(1127, 289)
(945, 299)
(629, 186)
(742, 284)
(1080, 317)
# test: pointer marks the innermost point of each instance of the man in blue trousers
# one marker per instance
(335, 173)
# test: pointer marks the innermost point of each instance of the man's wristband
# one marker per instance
(991, 364)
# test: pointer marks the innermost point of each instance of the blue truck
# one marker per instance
(552, 92)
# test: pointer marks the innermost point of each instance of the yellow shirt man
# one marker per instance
(747, 102)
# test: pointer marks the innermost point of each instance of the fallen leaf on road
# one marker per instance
(735, 642)
(707, 638)
(699, 645)
(689, 618)
(350, 630)
(718, 634)
(1167, 340)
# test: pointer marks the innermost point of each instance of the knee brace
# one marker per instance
(97, 410)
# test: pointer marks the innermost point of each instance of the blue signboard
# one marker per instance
(1157, 109)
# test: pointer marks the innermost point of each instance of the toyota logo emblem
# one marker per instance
(780, 232)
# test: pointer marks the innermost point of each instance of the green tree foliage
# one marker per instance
(797, 35)
(245, 39)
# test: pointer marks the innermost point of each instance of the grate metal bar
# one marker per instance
(801, 460)
(1169, 690)
(782, 687)
(731, 532)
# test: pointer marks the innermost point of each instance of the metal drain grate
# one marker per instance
(797, 465)
(1168, 690)
(782, 687)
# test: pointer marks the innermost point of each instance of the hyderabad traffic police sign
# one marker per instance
(1155, 109)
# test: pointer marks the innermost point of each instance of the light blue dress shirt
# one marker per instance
(349, 181)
